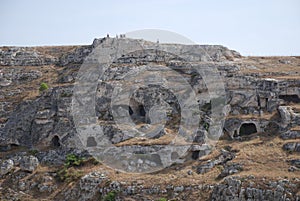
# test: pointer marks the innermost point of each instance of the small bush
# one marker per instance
(73, 160)
(206, 126)
(33, 152)
(69, 174)
(44, 86)
(162, 199)
(111, 196)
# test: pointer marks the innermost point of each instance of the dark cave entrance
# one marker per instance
(142, 111)
(91, 142)
(195, 155)
(235, 134)
(130, 111)
(290, 98)
(55, 141)
(137, 112)
(247, 129)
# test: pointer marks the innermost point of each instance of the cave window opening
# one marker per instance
(258, 102)
(130, 111)
(235, 133)
(247, 129)
(55, 141)
(290, 98)
(195, 155)
(142, 110)
(91, 142)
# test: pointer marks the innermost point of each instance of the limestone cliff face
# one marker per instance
(262, 97)
(252, 97)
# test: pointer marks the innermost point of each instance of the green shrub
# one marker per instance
(111, 196)
(33, 152)
(162, 199)
(69, 174)
(206, 126)
(44, 86)
(73, 160)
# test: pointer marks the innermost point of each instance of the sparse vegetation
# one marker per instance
(111, 196)
(162, 199)
(33, 152)
(206, 126)
(73, 160)
(220, 168)
(43, 87)
(69, 174)
(65, 94)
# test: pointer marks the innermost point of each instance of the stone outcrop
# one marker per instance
(49, 115)
(257, 102)
(29, 163)
(24, 56)
(6, 166)
(232, 189)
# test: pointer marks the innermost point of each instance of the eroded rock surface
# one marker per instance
(261, 102)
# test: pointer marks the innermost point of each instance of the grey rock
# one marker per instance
(290, 135)
(295, 162)
(292, 147)
(76, 56)
(179, 189)
(29, 163)
(285, 114)
(230, 169)
(6, 166)
(231, 189)
(222, 159)
(88, 184)
(24, 56)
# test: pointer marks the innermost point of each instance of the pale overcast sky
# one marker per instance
(252, 27)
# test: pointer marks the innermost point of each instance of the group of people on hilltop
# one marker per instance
(121, 36)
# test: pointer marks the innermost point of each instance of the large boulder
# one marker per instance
(29, 163)
(285, 114)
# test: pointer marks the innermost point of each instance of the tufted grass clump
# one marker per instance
(33, 152)
(69, 174)
(73, 160)
(43, 87)
(111, 196)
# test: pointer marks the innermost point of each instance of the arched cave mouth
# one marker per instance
(55, 141)
(140, 105)
(247, 129)
(91, 142)
(142, 111)
(290, 98)
(137, 113)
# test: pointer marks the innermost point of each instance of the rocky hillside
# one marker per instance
(255, 101)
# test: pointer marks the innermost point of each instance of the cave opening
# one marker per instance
(130, 111)
(195, 155)
(142, 111)
(55, 141)
(235, 133)
(247, 129)
(290, 98)
(91, 142)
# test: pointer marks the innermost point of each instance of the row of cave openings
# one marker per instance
(91, 142)
(291, 98)
(139, 112)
